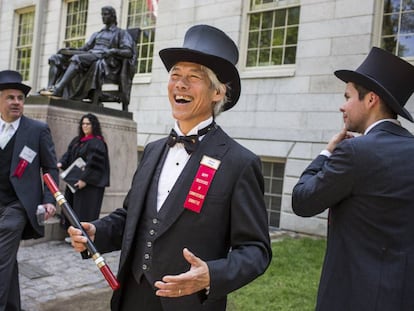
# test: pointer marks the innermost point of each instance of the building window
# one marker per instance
(397, 34)
(24, 42)
(273, 173)
(143, 14)
(273, 27)
(76, 17)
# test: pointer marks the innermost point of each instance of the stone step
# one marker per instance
(93, 299)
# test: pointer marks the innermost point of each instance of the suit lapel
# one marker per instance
(19, 143)
(213, 145)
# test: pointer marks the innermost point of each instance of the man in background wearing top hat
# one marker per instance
(367, 183)
(26, 149)
(194, 225)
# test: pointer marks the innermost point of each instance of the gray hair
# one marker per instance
(219, 87)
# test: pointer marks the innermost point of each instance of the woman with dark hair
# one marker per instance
(89, 145)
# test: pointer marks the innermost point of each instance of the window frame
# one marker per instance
(65, 40)
(263, 71)
(144, 77)
(17, 47)
(378, 21)
(268, 194)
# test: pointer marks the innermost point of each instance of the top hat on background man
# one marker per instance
(210, 47)
(10, 79)
(387, 75)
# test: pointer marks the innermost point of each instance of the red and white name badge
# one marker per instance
(201, 184)
(26, 156)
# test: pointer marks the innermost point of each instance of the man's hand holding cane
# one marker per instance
(78, 240)
(88, 243)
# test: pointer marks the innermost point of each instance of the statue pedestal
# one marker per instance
(118, 128)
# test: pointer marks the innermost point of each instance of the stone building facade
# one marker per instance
(289, 105)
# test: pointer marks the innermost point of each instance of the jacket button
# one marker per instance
(144, 267)
(152, 232)
(146, 256)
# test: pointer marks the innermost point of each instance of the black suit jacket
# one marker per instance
(368, 186)
(29, 188)
(230, 234)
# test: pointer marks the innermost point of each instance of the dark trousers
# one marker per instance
(139, 296)
(13, 219)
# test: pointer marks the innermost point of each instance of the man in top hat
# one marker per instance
(26, 148)
(193, 226)
(367, 184)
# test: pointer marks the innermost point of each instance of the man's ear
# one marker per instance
(372, 98)
(218, 95)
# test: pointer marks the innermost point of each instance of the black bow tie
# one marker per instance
(191, 141)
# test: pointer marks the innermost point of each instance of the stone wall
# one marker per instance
(119, 131)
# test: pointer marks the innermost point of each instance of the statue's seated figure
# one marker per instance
(110, 54)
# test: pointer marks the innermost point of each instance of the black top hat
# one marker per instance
(210, 47)
(386, 75)
(10, 79)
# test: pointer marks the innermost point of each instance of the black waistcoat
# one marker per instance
(7, 193)
(147, 229)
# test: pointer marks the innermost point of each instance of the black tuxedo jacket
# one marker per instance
(230, 233)
(29, 187)
(368, 186)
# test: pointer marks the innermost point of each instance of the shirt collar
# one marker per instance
(15, 124)
(380, 121)
(195, 129)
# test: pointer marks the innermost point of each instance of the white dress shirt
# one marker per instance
(11, 128)
(175, 162)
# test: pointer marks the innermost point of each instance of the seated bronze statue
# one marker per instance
(79, 73)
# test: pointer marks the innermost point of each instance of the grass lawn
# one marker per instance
(291, 281)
